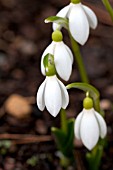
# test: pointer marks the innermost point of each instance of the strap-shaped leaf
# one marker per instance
(94, 158)
(60, 137)
(69, 139)
(64, 141)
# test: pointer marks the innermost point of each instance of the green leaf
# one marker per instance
(94, 93)
(60, 137)
(64, 141)
(63, 22)
(94, 157)
(32, 161)
(70, 137)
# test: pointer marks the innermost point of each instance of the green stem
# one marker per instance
(79, 60)
(97, 105)
(108, 7)
(63, 120)
(93, 92)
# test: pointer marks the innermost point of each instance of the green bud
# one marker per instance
(75, 1)
(49, 65)
(57, 36)
(87, 103)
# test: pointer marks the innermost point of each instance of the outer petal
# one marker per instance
(102, 124)
(63, 62)
(77, 125)
(53, 100)
(40, 96)
(91, 17)
(70, 53)
(89, 129)
(49, 49)
(65, 96)
(78, 24)
(62, 13)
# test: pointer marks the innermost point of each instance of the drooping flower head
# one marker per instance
(80, 17)
(89, 125)
(52, 93)
(63, 57)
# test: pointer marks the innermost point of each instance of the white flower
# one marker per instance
(89, 125)
(52, 94)
(63, 59)
(81, 18)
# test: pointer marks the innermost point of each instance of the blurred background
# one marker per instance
(23, 38)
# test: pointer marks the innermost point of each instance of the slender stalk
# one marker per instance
(79, 60)
(63, 120)
(97, 105)
(108, 7)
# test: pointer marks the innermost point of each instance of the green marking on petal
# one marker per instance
(49, 65)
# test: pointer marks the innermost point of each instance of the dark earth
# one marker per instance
(25, 137)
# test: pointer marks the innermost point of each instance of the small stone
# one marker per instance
(18, 166)
(17, 106)
(105, 104)
(41, 127)
(18, 74)
(9, 35)
(9, 164)
(109, 90)
(27, 47)
(8, 3)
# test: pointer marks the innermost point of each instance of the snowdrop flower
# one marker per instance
(89, 125)
(63, 57)
(52, 94)
(80, 17)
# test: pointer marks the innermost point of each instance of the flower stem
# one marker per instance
(108, 7)
(79, 60)
(97, 105)
(63, 120)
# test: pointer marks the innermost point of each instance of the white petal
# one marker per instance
(62, 13)
(89, 129)
(102, 124)
(40, 96)
(53, 100)
(78, 24)
(70, 53)
(65, 96)
(77, 125)
(49, 49)
(91, 17)
(63, 62)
